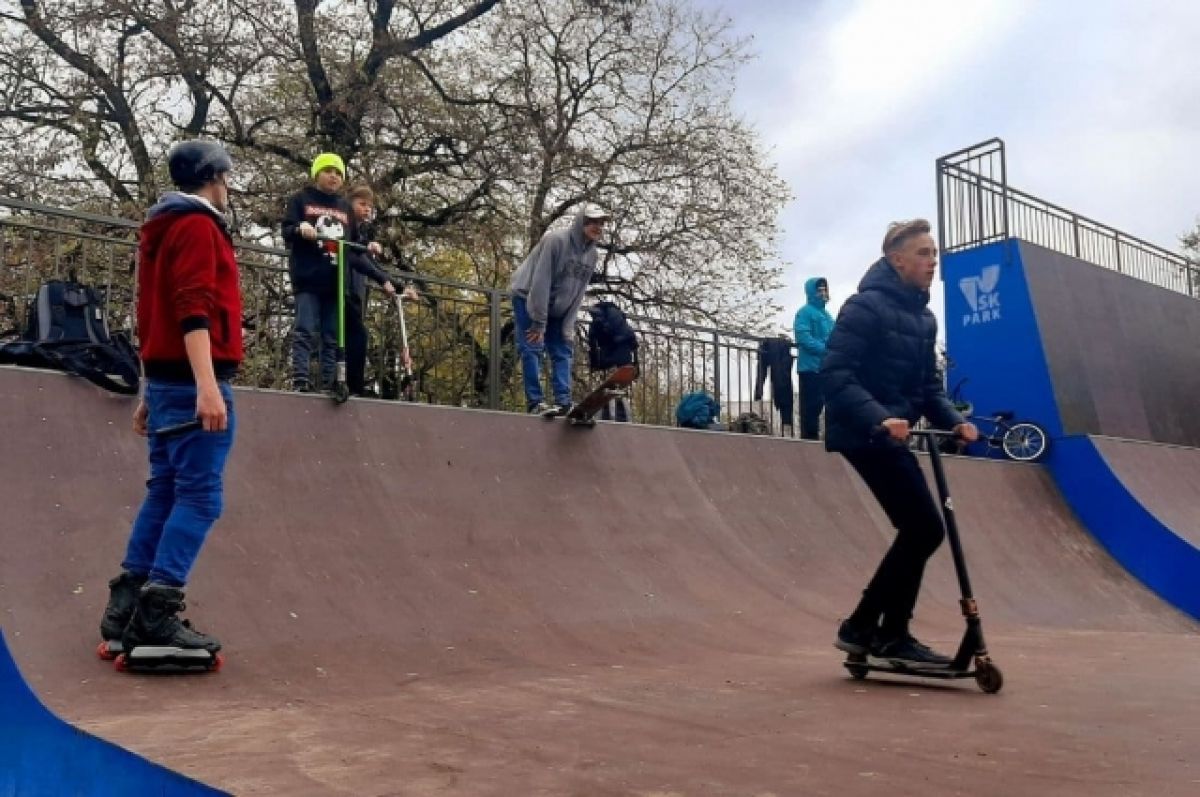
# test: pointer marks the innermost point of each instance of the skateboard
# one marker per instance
(160, 658)
(615, 386)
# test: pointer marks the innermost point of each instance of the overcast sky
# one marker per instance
(1098, 103)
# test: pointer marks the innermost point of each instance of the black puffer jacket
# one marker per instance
(880, 363)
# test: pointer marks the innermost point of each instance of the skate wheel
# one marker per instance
(856, 666)
(103, 652)
(217, 663)
(341, 392)
(988, 677)
(121, 663)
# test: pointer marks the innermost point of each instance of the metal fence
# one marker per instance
(976, 206)
(460, 335)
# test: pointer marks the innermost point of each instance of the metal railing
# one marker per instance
(977, 206)
(460, 335)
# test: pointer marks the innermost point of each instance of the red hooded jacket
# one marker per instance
(187, 280)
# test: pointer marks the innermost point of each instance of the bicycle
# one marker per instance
(1023, 441)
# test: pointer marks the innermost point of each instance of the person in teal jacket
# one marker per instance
(812, 327)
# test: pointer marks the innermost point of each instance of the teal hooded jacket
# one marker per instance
(812, 327)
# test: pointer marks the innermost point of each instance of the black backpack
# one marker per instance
(611, 340)
(66, 330)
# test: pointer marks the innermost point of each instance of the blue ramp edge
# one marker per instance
(41, 755)
(1165, 562)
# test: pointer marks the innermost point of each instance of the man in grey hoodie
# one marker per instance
(547, 290)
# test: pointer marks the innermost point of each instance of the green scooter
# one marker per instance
(336, 249)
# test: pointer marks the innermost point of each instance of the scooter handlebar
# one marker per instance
(880, 432)
(347, 244)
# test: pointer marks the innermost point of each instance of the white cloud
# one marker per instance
(1096, 102)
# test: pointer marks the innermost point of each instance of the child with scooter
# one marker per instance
(319, 210)
(362, 205)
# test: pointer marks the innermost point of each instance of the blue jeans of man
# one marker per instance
(184, 492)
(561, 355)
(316, 325)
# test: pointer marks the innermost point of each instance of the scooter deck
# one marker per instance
(985, 673)
(860, 663)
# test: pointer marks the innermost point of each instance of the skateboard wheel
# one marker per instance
(121, 664)
(103, 652)
(857, 667)
(988, 677)
(341, 392)
(217, 663)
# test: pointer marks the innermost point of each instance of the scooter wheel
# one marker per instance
(989, 677)
(341, 393)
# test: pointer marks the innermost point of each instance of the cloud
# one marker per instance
(856, 100)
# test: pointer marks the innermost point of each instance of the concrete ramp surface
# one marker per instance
(425, 601)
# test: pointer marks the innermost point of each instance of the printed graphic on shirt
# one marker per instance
(329, 222)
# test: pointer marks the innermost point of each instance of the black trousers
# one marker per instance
(356, 346)
(812, 401)
(896, 480)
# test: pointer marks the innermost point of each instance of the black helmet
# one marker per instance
(196, 162)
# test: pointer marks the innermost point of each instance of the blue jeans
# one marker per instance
(183, 494)
(561, 354)
(316, 324)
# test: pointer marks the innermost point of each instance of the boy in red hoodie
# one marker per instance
(189, 324)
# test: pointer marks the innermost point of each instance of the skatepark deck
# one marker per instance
(420, 600)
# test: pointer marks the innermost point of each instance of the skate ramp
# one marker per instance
(1142, 502)
(1100, 359)
(1121, 352)
(42, 755)
(424, 600)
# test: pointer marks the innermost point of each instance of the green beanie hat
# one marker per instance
(324, 161)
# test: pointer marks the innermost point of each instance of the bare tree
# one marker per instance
(639, 119)
(106, 84)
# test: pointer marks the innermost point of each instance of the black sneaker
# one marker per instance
(906, 651)
(122, 597)
(852, 640)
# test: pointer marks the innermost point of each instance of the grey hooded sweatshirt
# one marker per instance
(554, 276)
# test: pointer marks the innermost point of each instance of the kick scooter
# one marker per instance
(972, 659)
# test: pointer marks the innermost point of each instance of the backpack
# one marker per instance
(611, 340)
(66, 330)
(749, 423)
(697, 410)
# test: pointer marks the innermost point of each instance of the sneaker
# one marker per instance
(122, 597)
(561, 410)
(540, 408)
(852, 640)
(301, 385)
(906, 651)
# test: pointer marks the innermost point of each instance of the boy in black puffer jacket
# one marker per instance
(879, 375)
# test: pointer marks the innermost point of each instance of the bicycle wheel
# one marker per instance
(1025, 442)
